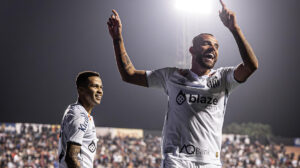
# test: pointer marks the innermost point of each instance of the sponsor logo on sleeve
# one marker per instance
(92, 147)
(83, 126)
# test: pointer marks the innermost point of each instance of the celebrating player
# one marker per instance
(78, 141)
(197, 96)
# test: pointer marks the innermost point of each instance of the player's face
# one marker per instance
(206, 52)
(94, 91)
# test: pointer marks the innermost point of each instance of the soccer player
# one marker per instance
(192, 131)
(78, 141)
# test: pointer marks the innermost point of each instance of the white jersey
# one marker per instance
(78, 127)
(196, 108)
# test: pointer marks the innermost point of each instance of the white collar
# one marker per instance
(195, 76)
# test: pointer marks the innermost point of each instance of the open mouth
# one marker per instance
(209, 56)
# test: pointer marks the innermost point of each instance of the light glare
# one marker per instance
(194, 6)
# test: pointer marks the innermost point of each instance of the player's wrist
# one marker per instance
(235, 28)
(117, 38)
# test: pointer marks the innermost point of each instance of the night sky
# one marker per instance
(44, 44)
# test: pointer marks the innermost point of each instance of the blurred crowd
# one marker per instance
(29, 147)
(128, 152)
(38, 148)
(240, 153)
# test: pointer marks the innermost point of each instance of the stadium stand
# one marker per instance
(35, 145)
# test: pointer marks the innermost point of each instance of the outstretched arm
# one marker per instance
(128, 72)
(250, 63)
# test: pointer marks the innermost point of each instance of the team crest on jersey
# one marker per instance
(213, 82)
(92, 146)
(180, 98)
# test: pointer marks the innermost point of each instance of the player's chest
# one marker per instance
(91, 131)
(206, 93)
(211, 85)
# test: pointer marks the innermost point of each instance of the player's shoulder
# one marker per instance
(76, 110)
(226, 69)
(171, 70)
(168, 69)
(165, 72)
(183, 72)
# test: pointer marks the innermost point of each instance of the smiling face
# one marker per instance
(205, 51)
(92, 93)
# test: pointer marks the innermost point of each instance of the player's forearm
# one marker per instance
(128, 72)
(125, 66)
(72, 161)
(246, 51)
(72, 156)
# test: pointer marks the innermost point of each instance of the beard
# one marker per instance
(199, 60)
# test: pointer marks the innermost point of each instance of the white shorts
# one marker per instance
(173, 162)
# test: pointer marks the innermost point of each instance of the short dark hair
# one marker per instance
(82, 78)
(198, 38)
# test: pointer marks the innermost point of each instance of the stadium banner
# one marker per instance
(125, 132)
(8, 127)
(20, 127)
(100, 131)
(297, 142)
(119, 132)
(104, 131)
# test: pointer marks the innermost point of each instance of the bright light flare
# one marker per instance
(195, 6)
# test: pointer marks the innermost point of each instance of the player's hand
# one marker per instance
(228, 17)
(114, 25)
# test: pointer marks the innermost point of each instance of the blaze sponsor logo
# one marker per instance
(195, 98)
(92, 147)
(193, 150)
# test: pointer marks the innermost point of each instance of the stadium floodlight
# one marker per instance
(195, 6)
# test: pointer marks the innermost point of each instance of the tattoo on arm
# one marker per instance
(127, 63)
(122, 57)
(72, 155)
(126, 68)
(246, 51)
(127, 60)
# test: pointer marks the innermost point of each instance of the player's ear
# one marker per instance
(192, 50)
(80, 90)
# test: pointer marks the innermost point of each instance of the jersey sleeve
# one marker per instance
(159, 77)
(230, 81)
(77, 126)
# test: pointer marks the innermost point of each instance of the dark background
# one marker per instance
(44, 44)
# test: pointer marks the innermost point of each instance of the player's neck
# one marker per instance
(200, 71)
(88, 107)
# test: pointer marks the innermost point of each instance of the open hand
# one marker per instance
(114, 25)
(228, 17)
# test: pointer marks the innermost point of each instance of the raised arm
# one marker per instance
(250, 63)
(72, 155)
(128, 72)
